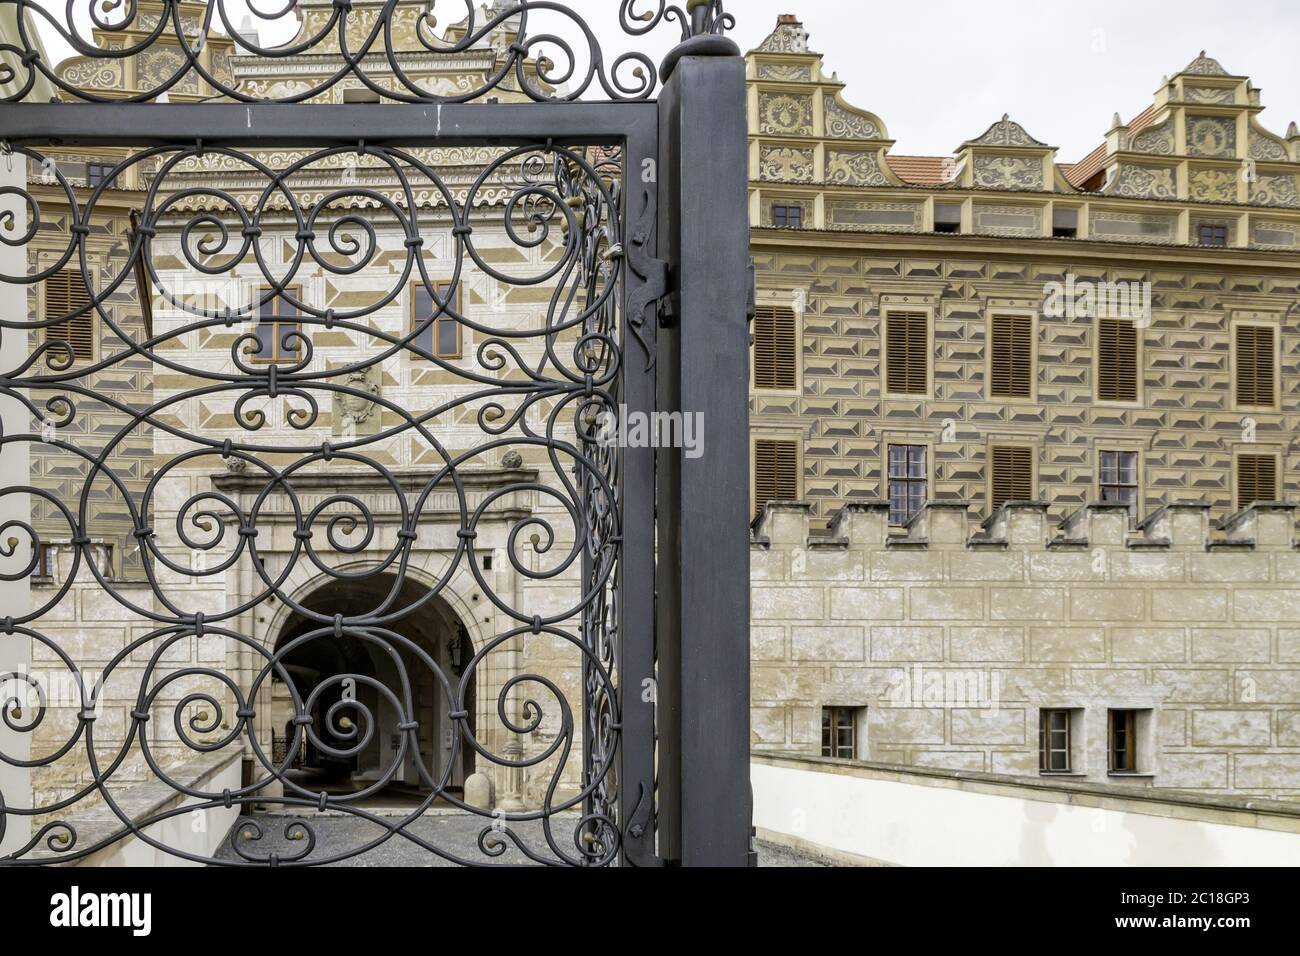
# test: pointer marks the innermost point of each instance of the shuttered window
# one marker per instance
(906, 353)
(1254, 365)
(1013, 475)
(1011, 366)
(1117, 360)
(1256, 479)
(775, 348)
(65, 293)
(776, 471)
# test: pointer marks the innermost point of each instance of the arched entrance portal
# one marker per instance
(320, 661)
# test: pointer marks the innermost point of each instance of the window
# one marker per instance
(907, 351)
(1054, 741)
(787, 217)
(278, 328)
(947, 217)
(775, 348)
(44, 561)
(1253, 364)
(840, 731)
(443, 337)
(776, 471)
(907, 482)
(1211, 234)
(1123, 741)
(66, 296)
(1011, 356)
(97, 173)
(1065, 223)
(1117, 360)
(1013, 475)
(1119, 481)
(362, 95)
(1256, 479)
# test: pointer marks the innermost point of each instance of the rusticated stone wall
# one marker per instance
(951, 637)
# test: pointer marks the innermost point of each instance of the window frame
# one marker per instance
(1102, 449)
(108, 169)
(855, 723)
(92, 314)
(795, 300)
(1045, 748)
(757, 435)
(457, 306)
(786, 206)
(46, 557)
(276, 358)
(1138, 367)
(994, 314)
(1234, 357)
(1254, 451)
(888, 310)
(887, 471)
(1130, 736)
(947, 227)
(1214, 226)
(996, 443)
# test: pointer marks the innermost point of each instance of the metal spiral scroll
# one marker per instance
(535, 57)
(547, 194)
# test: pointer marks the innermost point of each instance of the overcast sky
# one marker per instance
(940, 71)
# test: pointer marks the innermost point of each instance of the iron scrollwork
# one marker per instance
(546, 51)
(533, 393)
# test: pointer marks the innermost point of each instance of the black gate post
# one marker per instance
(703, 544)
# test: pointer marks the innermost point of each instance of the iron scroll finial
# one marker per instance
(703, 27)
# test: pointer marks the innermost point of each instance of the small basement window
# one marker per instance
(787, 216)
(1065, 223)
(843, 732)
(947, 217)
(1212, 234)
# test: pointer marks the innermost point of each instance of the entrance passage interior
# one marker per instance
(436, 629)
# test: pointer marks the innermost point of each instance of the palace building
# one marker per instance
(1024, 467)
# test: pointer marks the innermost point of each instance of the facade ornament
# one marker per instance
(788, 37)
(1205, 66)
(355, 414)
(1005, 132)
(512, 460)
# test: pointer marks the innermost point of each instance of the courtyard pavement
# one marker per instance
(456, 833)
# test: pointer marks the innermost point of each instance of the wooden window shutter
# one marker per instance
(1256, 479)
(1013, 475)
(65, 293)
(907, 353)
(1011, 346)
(1254, 365)
(776, 354)
(776, 471)
(1117, 354)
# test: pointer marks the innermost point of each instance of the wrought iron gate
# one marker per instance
(619, 222)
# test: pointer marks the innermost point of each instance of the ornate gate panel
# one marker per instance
(330, 395)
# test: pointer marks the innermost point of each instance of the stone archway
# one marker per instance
(435, 628)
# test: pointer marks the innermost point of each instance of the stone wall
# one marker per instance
(953, 636)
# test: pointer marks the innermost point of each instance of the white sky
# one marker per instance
(940, 71)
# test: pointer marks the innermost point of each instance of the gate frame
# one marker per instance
(694, 136)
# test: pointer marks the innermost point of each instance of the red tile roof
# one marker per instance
(921, 170)
(1088, 167)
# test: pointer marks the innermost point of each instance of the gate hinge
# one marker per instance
(639, 832)
(652, 292)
